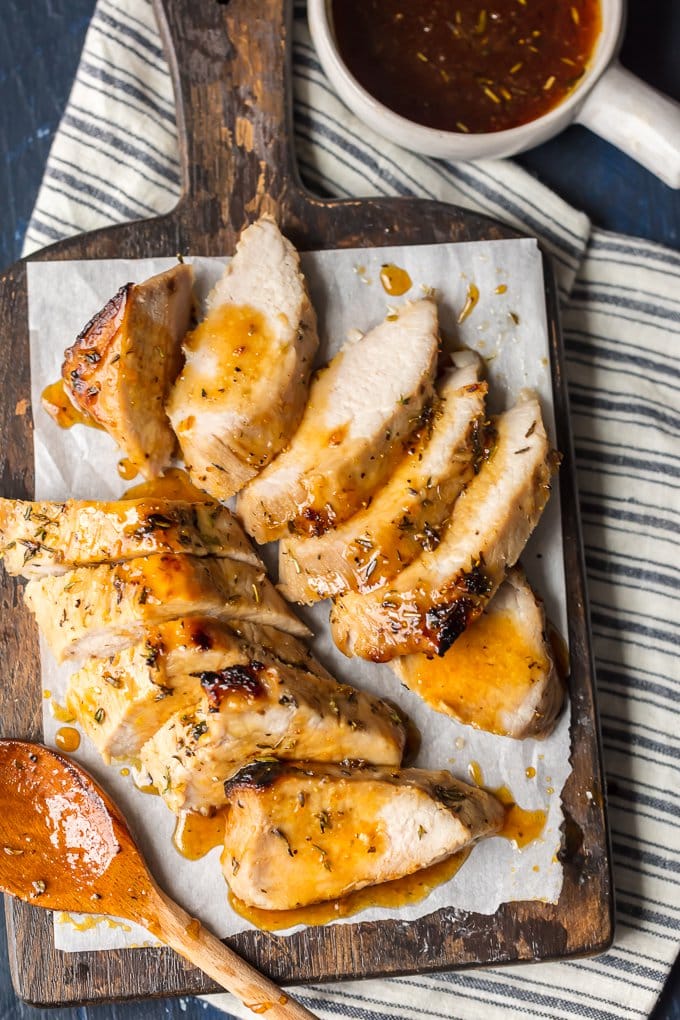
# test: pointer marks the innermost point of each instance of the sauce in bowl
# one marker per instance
(467, 65)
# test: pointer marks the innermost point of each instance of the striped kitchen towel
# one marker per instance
(114, 158)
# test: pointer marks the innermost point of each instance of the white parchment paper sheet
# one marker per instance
(509, 331)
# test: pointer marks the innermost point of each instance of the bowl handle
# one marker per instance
(637, 119)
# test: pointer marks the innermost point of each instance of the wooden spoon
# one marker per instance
(64, 845)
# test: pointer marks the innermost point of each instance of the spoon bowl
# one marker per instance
(64, 845)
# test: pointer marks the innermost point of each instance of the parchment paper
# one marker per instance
(509, 331)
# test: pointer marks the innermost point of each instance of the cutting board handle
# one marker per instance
(229, 61)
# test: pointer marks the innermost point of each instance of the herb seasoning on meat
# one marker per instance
(467, 65)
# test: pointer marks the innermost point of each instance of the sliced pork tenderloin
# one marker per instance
(51, 538)
(408, 513)
(122, 700)
(430, 603)
(244, 385)
(302, 833)
(255, 707)
(362, 408)
(99, 610)
(501, 674)
(121, 367)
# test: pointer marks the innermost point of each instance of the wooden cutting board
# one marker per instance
(230, 61)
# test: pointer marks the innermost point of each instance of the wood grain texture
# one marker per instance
(234, 118)
(103, 863)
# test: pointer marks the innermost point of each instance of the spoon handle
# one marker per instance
(191, 940)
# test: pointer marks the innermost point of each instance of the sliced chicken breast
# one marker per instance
(99, 610)
(122, 700)
(500, 675)
(51, 538)
(121, 367)
(284, 646)
(260, 707)
(362, 408)
(301, 833)
(430, 603)
(243, 388)
(407, 514)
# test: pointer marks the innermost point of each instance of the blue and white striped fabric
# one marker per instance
(114, 158)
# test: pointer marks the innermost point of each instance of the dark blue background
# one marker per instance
(40, 42)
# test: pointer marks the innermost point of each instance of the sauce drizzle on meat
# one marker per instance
(399, 893)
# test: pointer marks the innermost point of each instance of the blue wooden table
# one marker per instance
(40, 42)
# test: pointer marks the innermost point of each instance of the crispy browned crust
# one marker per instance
(94, 348)
(124, 361)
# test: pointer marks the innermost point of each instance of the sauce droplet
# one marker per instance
(476, 774)
(149, 789)
(127, 469)
(521, 827)
(61, 712)
(195, 835)
(530, 772)
(175, 484)
(56, 401)
(394, 279)
(125, 772)
(501, 288)
(67, 739)
(470, 302)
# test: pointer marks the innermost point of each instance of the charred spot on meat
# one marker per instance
(233, 679)
(447, 622)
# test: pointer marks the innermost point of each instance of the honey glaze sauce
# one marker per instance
(467, 65)
(196, 835)
(86, 922)
(127, 469)
(521, 826)
(231, 345)
(395, 280)
(399, 893)
(56, 401)
(483, 678)
(67, 739)
(175, 484)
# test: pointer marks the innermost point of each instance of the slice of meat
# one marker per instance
(51, 538)
(302, 833)
(430, 603)
(99, 610)
(121, 367)
(407, 514)
(241, 394)
(122, 700)
(500, 675)
(255, 706)
(362, 408)
(286, 647)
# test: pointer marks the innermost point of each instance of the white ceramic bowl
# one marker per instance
(609, 100)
